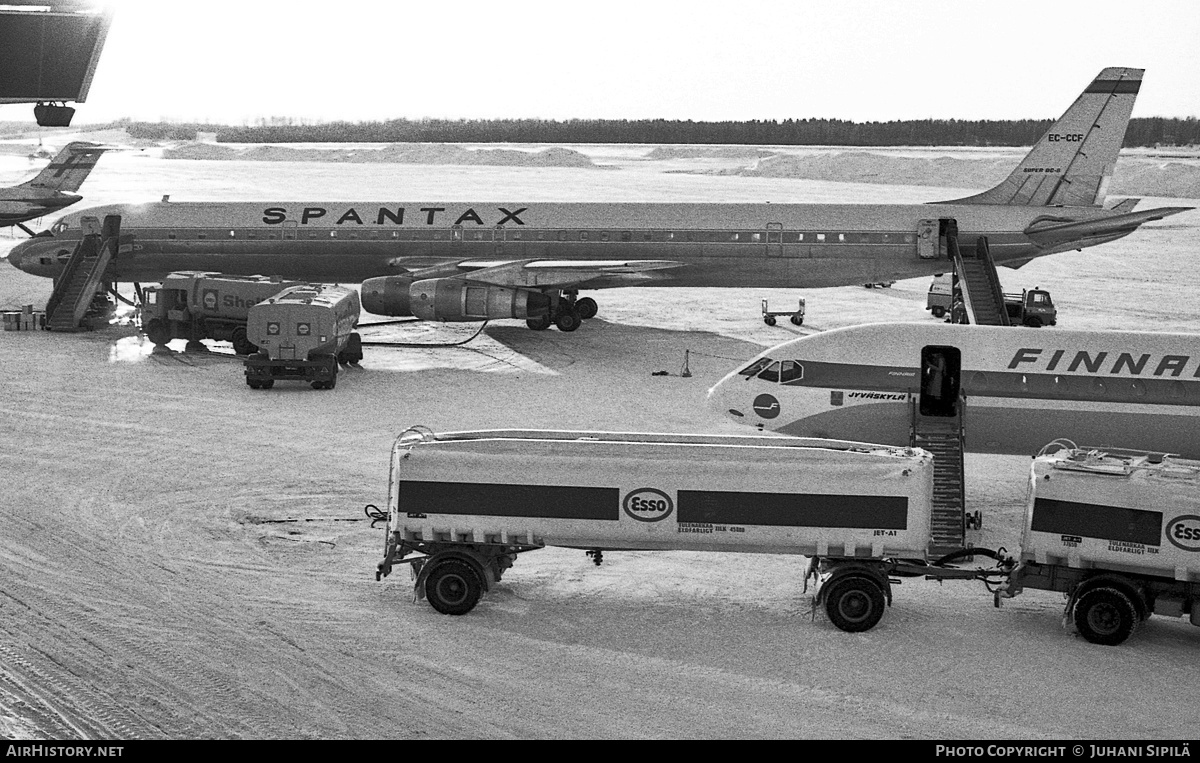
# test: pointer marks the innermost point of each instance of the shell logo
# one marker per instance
(648, 505)
(209, 299)
(1184, 532)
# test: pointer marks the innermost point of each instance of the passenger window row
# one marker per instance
(513, 234)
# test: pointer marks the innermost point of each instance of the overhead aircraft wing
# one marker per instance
(1050, 233)
(563, 274)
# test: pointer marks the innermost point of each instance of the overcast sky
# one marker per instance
(230, 61)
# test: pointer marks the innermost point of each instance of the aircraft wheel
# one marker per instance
(453, 588)
(854, 604)
(567, 320)
(1105, 616)
(769, 320)
(587, 308)
(797, 320)
(156, 331)
(541, 323)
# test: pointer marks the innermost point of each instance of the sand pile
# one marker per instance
(1133, 176)
(1144, 177)
(395, 153)
(708, 152)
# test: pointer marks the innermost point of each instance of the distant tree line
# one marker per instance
(1149, 131)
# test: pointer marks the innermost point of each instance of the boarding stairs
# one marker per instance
(83, 277)
(978, 281)
(943, 437)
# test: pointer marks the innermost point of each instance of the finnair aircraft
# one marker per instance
(475, 260)
(52, 189)
(1021, 389)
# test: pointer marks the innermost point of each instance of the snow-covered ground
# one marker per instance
(183, 557)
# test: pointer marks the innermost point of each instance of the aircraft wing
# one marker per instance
(1051, 234)
(564, 274)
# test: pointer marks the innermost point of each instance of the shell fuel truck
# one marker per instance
(303, 333)
(195, 305)
(1117, 532)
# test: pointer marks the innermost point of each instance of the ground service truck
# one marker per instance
(303, 333)
(1118, 532)
(463, 505)
(197, 305)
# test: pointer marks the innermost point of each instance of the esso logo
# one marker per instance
(648, 505)
(1184, 532)
(209, 299)
(766, 406)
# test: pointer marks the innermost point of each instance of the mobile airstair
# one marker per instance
(978, 282)
(83, 278)
(936, 425)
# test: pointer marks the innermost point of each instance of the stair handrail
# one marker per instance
(984, 253)
(68, 275)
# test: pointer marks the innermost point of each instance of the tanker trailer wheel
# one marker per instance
(587, 308)
(242, 345)
(854, 604)
(1105, 616)
(453, 588)
(156, 332)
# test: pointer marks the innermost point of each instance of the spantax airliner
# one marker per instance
(471, 261)
(1015, 390)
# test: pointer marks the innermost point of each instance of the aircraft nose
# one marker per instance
(24, 257)
(723, 403)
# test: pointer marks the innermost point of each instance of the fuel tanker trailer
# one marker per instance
(303, 333)
(1118, 533)
(195, 305)
(463, 505)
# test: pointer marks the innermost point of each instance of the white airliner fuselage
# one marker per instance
(1021, 388)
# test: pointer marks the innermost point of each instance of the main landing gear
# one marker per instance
(567, 312)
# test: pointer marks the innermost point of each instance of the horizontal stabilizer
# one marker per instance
(1052, 234)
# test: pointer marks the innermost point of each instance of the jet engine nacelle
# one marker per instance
(387, 295)
(449, 299)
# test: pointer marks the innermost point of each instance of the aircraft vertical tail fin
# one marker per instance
(67, 171)
(1073, 162)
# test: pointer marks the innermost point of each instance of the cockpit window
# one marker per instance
(755, 367)
(58, 227)
(771, 374)
(790, 370)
